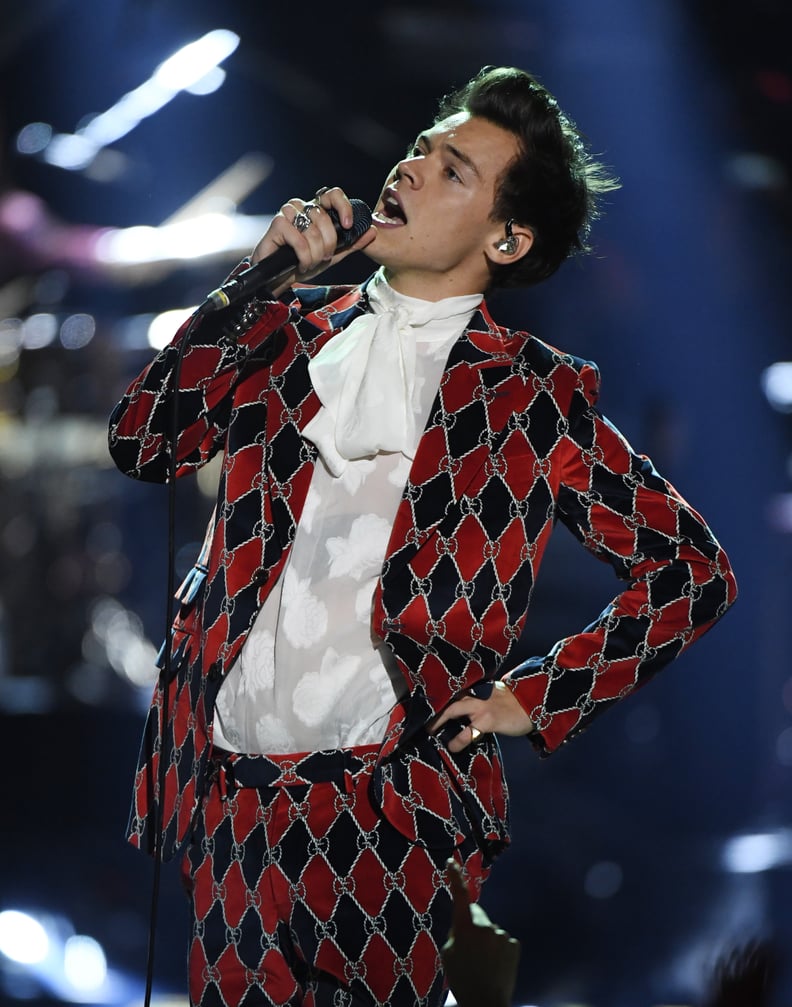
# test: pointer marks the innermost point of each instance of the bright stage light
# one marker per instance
(758, 852)
(22, 938)
(39, 330)
(777, 385)
(194, 67)
(84, 964)
(204, 236)
(164, 326)
(209, 83)
(192, 62)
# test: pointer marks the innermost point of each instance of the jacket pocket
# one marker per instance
(476, 774)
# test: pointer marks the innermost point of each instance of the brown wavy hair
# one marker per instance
(553, 186)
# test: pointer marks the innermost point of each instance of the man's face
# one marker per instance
(434, 231)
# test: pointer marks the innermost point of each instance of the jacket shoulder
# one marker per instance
(544, 359)
(581, 374)
(542, 356)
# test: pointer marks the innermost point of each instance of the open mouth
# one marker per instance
(390, 213)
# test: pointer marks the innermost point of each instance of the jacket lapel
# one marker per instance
(467, 423)
(292, 402)
(289, 378)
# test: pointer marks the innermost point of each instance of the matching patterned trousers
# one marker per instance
(302, 894)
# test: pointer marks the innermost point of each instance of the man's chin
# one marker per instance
(377, 255)
(388, 253)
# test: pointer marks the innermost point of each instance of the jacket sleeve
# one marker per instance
(221, 345)
(680, 580)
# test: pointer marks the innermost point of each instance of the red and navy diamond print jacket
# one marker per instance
(513, 443)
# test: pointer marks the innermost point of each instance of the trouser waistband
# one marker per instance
(338, 766)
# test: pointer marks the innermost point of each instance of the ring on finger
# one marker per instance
(313, 205)
(302, 220)
(475, 733)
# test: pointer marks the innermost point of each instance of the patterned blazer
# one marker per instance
(513, 443)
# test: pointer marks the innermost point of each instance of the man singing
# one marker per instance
(393, 465)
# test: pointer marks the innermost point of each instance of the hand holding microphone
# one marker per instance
(303, 239)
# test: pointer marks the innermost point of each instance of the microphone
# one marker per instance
(245, 284)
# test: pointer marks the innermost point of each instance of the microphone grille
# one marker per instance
(361, 222)
(361, 218)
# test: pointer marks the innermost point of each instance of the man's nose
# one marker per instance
(410, 169)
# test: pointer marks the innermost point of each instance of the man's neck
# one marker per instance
(435, 287)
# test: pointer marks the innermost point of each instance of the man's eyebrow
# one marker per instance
(460, 155)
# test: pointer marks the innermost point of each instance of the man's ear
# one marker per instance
(511, 246)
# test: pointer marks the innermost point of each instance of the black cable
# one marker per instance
(165, 673)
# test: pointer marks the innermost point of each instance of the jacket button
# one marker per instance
(261, 576)
(214, 672)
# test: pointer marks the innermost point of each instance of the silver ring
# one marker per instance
(475, 732)
(302, 220)
(313, 205)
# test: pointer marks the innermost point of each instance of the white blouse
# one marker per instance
(310, 676)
